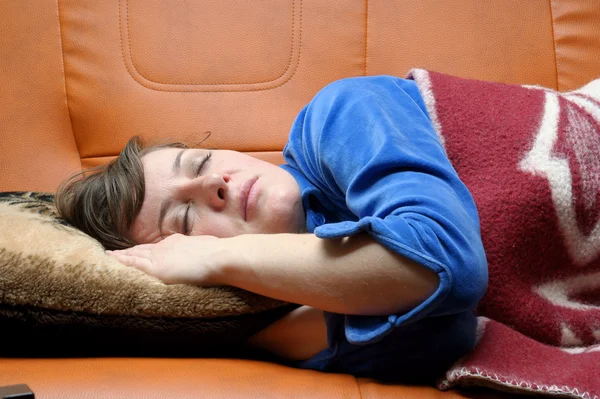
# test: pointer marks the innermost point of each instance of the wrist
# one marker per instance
(236, 260)
(214, 260)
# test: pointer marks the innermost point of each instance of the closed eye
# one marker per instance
(203, 163)
(186, 228)
(186, 220)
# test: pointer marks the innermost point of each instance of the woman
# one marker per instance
(367, 225)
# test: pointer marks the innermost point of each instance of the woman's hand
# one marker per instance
(179, 259)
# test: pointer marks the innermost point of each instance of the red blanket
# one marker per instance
(531, 158)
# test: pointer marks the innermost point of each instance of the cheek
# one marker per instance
(285, 207)
(285, 196)
(218, 226)
(144, 234)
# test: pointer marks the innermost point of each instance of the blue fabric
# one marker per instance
(367, 159)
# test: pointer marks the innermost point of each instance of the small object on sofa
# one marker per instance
(19, 391)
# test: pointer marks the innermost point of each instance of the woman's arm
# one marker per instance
(353, 275)
(368, 145)
(298, 335)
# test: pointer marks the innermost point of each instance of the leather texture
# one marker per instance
(37, 147)
(79, 77)
(198, 379)
(486, 40)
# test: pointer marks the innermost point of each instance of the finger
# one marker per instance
(143, 246)
(130, 248)
(140, 251)
(140, 263)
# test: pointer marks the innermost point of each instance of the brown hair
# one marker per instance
(103, 202)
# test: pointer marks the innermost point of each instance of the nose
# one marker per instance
(211, 189)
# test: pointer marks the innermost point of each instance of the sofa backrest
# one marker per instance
(79, 77)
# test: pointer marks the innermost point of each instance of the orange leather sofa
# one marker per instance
(79, 77)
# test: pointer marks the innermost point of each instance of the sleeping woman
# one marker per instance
(366, 225)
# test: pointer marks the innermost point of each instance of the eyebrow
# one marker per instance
(166, 204)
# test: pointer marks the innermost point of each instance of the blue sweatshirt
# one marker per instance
(367, 159)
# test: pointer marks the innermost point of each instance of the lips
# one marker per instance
(244, 193)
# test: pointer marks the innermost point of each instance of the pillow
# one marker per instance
(60, 295)
(530, 157)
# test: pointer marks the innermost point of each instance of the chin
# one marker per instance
(286, 214)
(283, 224)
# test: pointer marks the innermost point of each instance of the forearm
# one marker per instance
(354, 275)
(298, 335)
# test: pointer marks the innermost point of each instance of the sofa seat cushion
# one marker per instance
(201, 378)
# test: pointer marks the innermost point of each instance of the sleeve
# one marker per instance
(370, 140)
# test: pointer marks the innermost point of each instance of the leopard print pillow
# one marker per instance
(61, 295)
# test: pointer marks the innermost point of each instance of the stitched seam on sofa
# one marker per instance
(366, 35)
(358, 388)
(554, 43)
(223, 89)
(222, 83)
(290, 62)
(62, 59)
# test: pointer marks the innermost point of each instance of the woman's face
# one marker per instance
(215, 192)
